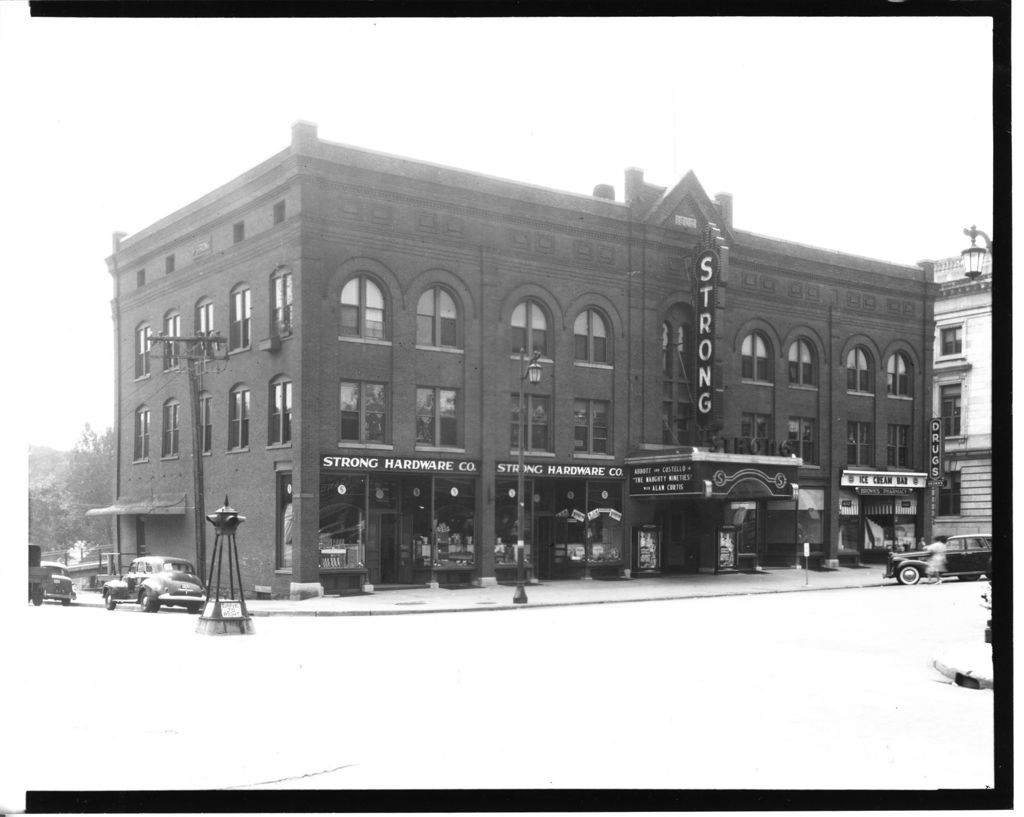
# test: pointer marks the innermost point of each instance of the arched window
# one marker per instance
(143, 345)
(204, 317)
(802, 369)
(899, 375)
(437, 319)
(280, 429)
(362, 309)
(172, 329)
(529, 328)
(859, 376)
(590, 334)
(238, 418)
(171, 429)
(677, 394)
(754, 362)
(141, 449)
(240, 328)
(206, 422)
(666, 352)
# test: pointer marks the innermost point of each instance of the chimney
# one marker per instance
(304, 138)
(604, 191)
(116, 240)
(634, 183)
(724, 202)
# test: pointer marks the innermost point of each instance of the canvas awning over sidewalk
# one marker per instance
(154, 504)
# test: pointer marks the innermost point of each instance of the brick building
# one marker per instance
(709, 398)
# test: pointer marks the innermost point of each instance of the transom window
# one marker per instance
(241, 319)
(802, 370)
(238, 418)
(363, 408)
(172, 417)
(951, 340)
(280, 430)
(437, 319)
(897, 449)
(859, 376)
(590, 336)
(143, 345)
(529, 328)
(899, 373)
(437, 416)
(281, 304)
(801, 439)
(536, 422)
(590, 426)
(951, 410)
(172, 329)
(754, 358)
(141, 449)
(362, 309)
(859, 444)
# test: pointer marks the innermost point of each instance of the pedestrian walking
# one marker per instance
(937, 562)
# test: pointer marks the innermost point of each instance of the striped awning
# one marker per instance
(152, 505)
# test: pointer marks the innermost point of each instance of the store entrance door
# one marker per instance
(384, 532)
(544, 546)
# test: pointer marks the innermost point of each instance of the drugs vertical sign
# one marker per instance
(936, 444)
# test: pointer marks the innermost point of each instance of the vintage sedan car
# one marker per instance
(56, 582)
(156, 581)
(968, 557)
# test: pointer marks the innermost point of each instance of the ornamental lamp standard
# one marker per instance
(974, 255)
(529, 372)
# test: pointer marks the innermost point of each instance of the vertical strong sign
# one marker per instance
(706, 268)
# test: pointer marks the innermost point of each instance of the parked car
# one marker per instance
(57, 583)
(155, 581)
(968, 557)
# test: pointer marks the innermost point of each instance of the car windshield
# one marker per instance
(181, 567)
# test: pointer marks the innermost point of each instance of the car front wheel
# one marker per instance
(109, 603)
(149, 602)
(908, 575)
(66, 602)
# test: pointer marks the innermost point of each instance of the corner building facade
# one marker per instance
(357, 327)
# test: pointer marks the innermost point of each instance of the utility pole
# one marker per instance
(197, 352)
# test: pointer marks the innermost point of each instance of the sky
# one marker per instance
(843, 133)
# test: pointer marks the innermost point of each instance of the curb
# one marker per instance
(953, 664)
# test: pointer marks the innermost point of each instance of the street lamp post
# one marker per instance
(531, 372)
(974, 255)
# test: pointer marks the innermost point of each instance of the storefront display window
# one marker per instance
(342, 536)
(604, 521)
(809, 516)
(505, 521)
(453, 530)
(285, 523)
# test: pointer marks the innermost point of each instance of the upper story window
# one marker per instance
(238, 418)
(754, 360)
(949, 495)
(951, 340)
(757, 426)
(171, 425)
(364, 412)
(590, 337)
(437, 417)
(169, 264)
(859, 444)
(143, 345)
(536, 422)
(897, 448)
(530, 328)
(281, 304)
(951, 410)
(362, 309)
(859, 376)
(590, 426)
(279, 212)
(172, 329)
(437, 319)
(238, 231)
(141, 448)
(140, 278)
(677, 398)
(204, 317)
(899, 372)
(240, 327)
(280, 430)
(205, 423)
(802, 368)
(801, 434)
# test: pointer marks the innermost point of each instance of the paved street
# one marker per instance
(814, 690)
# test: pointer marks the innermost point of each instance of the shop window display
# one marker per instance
(604, 522)
(342, 536)
(505, 521)
(453, 521)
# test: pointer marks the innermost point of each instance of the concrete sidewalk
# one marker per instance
(560, 593)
